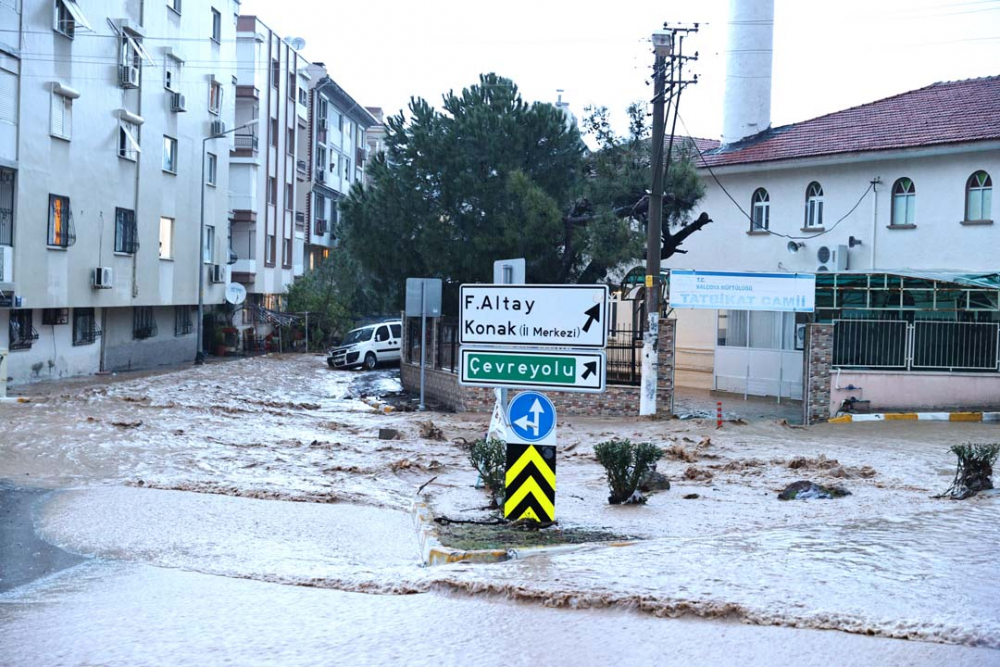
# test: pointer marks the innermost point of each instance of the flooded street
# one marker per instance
(247, 513)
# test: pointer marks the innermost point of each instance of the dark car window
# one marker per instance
(383, 334)
(397, 330)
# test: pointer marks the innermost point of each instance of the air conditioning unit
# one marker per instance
(128, 76)
(321, 124)
(178, 103)
(6, 264)
(218, 127)
(831, 259)
(102, 277)
(217, 273)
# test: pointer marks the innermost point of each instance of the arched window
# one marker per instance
(979, 197)
(760, 204)
(904, 202)
(814, 205)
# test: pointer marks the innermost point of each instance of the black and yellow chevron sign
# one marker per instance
(531, 483)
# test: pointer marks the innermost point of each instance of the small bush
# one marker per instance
(489, 457)
(975, 469)
(625, 463)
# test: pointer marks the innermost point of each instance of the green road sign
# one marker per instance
(566, 370)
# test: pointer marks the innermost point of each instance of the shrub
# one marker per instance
(975, 468)
(625, 463)
(489, 457)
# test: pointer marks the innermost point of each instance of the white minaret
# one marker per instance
(747, 107)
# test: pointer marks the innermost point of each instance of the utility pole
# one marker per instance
(663, 47)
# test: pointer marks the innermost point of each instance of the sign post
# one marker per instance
(423, 299)
(530, 481)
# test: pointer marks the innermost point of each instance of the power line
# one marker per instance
(864, 194)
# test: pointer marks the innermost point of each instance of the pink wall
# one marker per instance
(894, 391)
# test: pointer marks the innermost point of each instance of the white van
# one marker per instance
(368, 346)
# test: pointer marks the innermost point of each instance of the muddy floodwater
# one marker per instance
(247, 513)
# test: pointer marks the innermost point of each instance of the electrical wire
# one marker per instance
(864, 194)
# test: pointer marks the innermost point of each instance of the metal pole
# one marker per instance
(647, 397)
(199, 357)
(423, 341)
(508, 279)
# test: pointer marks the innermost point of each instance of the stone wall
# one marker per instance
(818, 360)
(441, 386)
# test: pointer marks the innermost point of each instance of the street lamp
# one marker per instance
(199, 357)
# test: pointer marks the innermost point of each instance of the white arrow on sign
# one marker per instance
(525, 423)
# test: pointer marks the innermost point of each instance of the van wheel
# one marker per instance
(370, 361)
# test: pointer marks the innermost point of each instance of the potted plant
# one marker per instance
(219, 342)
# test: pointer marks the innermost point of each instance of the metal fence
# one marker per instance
(624, 352)
(447, 351)
(920, 345)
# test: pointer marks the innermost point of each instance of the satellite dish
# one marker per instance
(824, 254)
(296, 43)
(236, 293)
(793, 247)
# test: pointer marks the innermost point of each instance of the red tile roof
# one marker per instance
(942, 113)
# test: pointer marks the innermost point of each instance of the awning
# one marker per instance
(979, 280)
(77, 14)
(137, 45)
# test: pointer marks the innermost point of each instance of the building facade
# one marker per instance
(337, 149)
(103, 113)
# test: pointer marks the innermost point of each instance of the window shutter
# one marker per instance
(8, 97)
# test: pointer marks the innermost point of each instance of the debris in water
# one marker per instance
(806, 490)
(678, 452)
(696, 474)
(974, 471)
(654, 481)
(428, 431)
(691, 496)
(127, 424)
(388, 434)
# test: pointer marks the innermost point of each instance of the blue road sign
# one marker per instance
(532, 416)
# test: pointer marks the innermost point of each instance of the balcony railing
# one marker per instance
(246, 142)
(321, 227)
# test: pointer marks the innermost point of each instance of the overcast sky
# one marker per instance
(827, 56)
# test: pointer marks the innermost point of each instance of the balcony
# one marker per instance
(245, 145)
(245, 266)
(250, 92)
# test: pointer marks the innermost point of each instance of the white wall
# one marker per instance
(939, 240)
(53, 355)
(898, 391)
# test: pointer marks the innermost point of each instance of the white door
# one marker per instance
(385, 349)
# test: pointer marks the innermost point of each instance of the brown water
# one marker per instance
(888, 560)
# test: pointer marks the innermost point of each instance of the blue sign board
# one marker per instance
(532, 417)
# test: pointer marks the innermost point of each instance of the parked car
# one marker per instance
(368, 346)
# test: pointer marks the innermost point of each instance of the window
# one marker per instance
(216, 25)
(397, 331)
(321, 157)
(128, 140)
(272, 190)
(319, 213)
(347, 168)
(382, 334)
(269, 249)
(275, 73)
(215, 97)
(274, 132)
(166, 238)
(171, 73)
(290, 141)
(55, 316)
(979, 197)
(760, 203)
(85, 331)
(814, 205)
(169, 154)
(361, 136)
(208, 251)
(324, 109)
(212, 170)
(303, 98)
(61, 234)
(182, 320)
(290, 85)
(289, 197)
(286, 252)
(61, 122)
(174, 5)
(22, 333)
(340, 122)
(133, 52)
(143, 323)
(125, 231)
(69, 16)
(8, 97)
(904, 202)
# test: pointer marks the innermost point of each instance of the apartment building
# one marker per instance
(337, 149)
(104, 111)
(375, 135)
(272, 84)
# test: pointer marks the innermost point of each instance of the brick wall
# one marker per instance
(617, 401)
(818, 360)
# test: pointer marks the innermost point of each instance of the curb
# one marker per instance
(919, 416)
(432, 552)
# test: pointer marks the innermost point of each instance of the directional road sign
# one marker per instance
(582, 371)
(530, 483)
(532, 419)
(534, 315)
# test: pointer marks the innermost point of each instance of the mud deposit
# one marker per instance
(174, 489)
